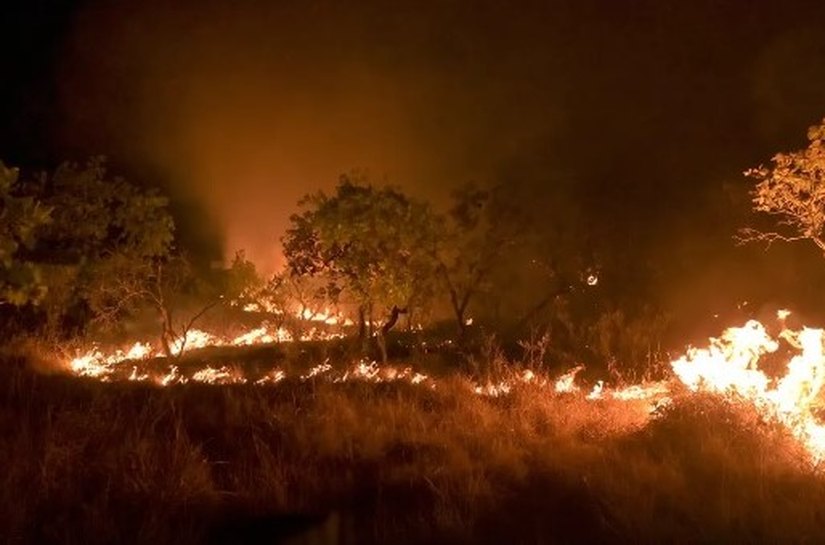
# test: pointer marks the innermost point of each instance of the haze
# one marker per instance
(645, 116)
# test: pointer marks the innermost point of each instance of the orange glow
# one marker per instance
(728, 366)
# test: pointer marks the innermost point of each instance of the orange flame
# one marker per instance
(728, 366)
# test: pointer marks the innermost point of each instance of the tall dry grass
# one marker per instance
(85, 462)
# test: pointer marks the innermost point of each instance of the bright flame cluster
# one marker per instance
(97, 364)
(730, 366)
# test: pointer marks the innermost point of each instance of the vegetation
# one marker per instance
(20, 219)
(83, 252)
(373, 246)
(87, 253)
(793, 190)
(479, 228)
(392, 463)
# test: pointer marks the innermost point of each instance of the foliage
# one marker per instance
(95, 214)
(22, 220)
(517, 254)
(240, 282)
(793, 190)
(371, 245)
(481, 226)
(103, 230)
(178, 294)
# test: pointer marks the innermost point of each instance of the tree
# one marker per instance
(513, 251)
(793, 190)
(375, 245)
(480, 228)
(177, 293)
(156, 283)
(103, 229)
(22, 219)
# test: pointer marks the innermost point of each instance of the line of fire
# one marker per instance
(412, 272)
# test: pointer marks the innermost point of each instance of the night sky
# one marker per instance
(645, 112)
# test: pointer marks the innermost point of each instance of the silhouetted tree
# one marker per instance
(177, 294)
(481, 228)
(514, 252)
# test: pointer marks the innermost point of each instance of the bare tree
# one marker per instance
(156, 284)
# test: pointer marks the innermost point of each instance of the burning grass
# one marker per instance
(131, 462)
(140, 448)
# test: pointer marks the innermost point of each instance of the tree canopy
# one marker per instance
(372, 244)
(22, 219)
(68, 238)
(792, 189)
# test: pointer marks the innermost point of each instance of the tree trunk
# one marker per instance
(462, 324)
(167, 334)
(395, 313)
(362, 328)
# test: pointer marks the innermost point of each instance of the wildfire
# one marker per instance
(728, 366)
(305, 313)
(326, 316)
(97, 364)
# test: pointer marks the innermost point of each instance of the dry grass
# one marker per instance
(102, 463)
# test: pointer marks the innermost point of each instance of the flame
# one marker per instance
(262, 335)
(94, 363)
(173, 377)
(729, 363)
(273, 377)
(193, 339)
(728, 366)
(221, 375)
(325, 316)
(567, 382)
(596, 392)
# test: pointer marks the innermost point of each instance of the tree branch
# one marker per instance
(749, 234)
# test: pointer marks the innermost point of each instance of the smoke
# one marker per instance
(640, 117)
(249, 106)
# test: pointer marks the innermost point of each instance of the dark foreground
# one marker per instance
(314, 462)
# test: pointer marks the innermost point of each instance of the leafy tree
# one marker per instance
(102, 229)
(793, 190)
(22, 219)
(372, 244)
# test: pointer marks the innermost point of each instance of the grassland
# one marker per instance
(86, 462)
